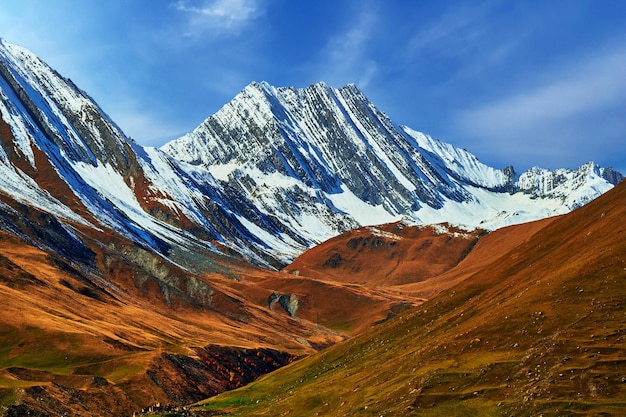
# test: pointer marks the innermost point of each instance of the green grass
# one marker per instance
(57, 353)
(123, 371)
(10, 383)
(8, 396)
(457, 408)
(341, 326)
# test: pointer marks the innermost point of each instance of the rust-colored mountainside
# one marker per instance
(415, 261)
(537, 327)
(387, 255)
(101, 326)
(107, 328)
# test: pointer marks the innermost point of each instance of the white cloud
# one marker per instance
(218, 15)
(446, 31)
(147, 129)
(560, 100)
(456, 30)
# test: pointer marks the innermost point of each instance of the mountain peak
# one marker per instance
(273, 172)
(327, 158)
(318, 86)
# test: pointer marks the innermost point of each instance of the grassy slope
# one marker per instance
(540, 330)
(66, 328)
(61, 332)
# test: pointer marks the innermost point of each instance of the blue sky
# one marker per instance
(515, 82)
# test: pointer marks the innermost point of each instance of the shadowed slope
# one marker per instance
(539, 330)
(97, 325)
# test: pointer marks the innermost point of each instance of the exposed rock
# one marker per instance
(289, 302)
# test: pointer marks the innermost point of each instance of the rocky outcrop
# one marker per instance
(175, 379)
(212, 370)
(289, 303)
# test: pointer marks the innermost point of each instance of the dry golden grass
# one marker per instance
(113, 330)
(58, 329)
(540, 329)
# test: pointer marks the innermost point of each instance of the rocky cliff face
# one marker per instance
(322, 137)
(271, 174)
(323, 160)
(62, 155)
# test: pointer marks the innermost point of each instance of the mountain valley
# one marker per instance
(536, 328)
(295, 228)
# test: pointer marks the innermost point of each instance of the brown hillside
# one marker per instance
(106, 327)
(488, 249)
(348, 308)
(61, 332)
(539, 330)
(387, 255)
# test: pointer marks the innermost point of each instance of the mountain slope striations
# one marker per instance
(539, 330)
(62, 154)
(323, 160)
(271, 174)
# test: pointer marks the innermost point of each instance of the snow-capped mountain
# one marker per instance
(322, 160)
(271, 174)
(62, 155)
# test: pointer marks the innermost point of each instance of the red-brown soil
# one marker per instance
(122, 351)
(387, 255)
(486, 251)
(531, 328)
(123, 328)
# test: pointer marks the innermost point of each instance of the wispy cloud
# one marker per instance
(146, 128)
(345, 57)
(149, 126)
(448, 30)
(594, 85)
(563, 111)
(454, 32)
(218, 15)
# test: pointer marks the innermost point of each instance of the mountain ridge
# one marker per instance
(330, 152)
(274, 172)
(128, 274)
